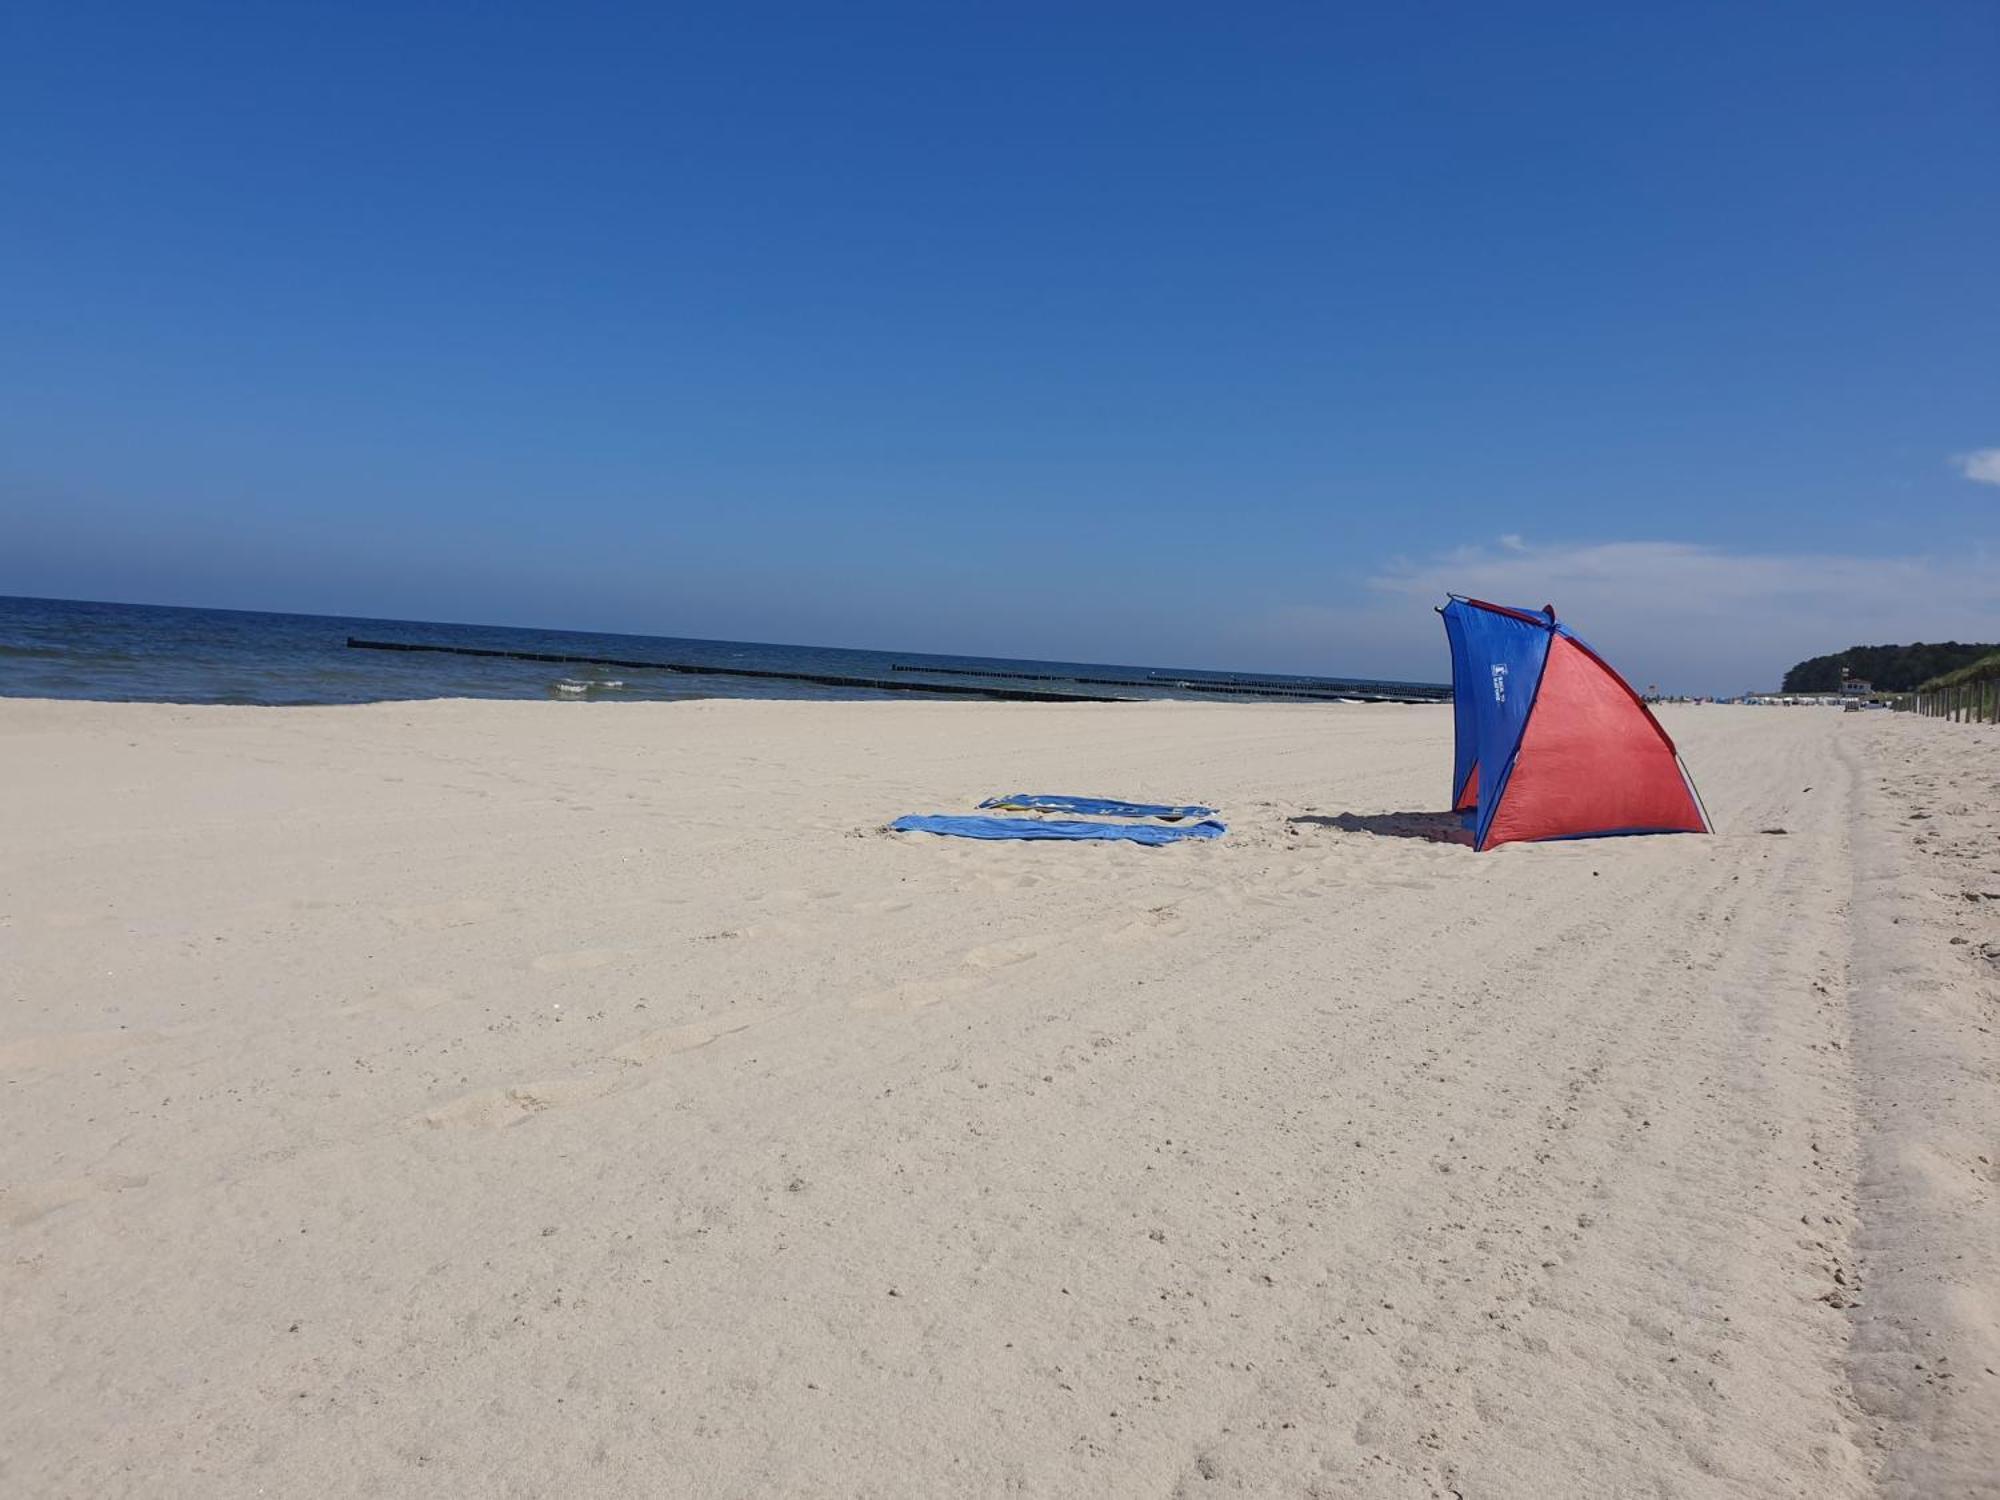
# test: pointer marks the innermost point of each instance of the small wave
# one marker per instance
(584, 687)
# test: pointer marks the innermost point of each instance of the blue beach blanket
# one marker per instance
(1041, 828)
(1109, 807)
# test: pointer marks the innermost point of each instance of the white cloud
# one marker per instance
(1982, 465)
(1688, 617)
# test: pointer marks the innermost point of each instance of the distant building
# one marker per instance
(1854, 687)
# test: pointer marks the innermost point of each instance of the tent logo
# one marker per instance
(1499, 682)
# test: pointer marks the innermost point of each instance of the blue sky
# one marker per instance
(1152, 333)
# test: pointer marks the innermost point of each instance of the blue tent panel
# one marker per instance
(1465, 747)
(1509, 651)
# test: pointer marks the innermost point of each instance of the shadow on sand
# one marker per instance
(1433, 827)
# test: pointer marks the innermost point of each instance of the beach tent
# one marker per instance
(1550, 742)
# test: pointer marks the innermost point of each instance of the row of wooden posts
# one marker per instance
(1968, 703)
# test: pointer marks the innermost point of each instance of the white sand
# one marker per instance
(533, 1099)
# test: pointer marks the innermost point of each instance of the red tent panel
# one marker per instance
(1591, 760)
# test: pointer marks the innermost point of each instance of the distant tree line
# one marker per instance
(1893, 669)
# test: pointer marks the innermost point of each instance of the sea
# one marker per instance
(68, 648)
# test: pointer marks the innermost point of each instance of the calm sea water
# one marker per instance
(63, 648)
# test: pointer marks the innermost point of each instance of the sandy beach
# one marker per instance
(530, 1099)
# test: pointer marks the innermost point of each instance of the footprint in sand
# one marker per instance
(496, 1109)
(1013, 882)
(1005, 954)
(21, 1206)
(793, 896)
(414, 997)
(659, 1044)
(1148, 927)
(58, 1049)
(916, 994)
(884, 907)
(439, 915)
(577, 958)
(499, 1108)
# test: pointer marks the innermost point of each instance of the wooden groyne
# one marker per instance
(1399, 692)
(701, 669)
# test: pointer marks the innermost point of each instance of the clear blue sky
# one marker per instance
(1159, 333)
